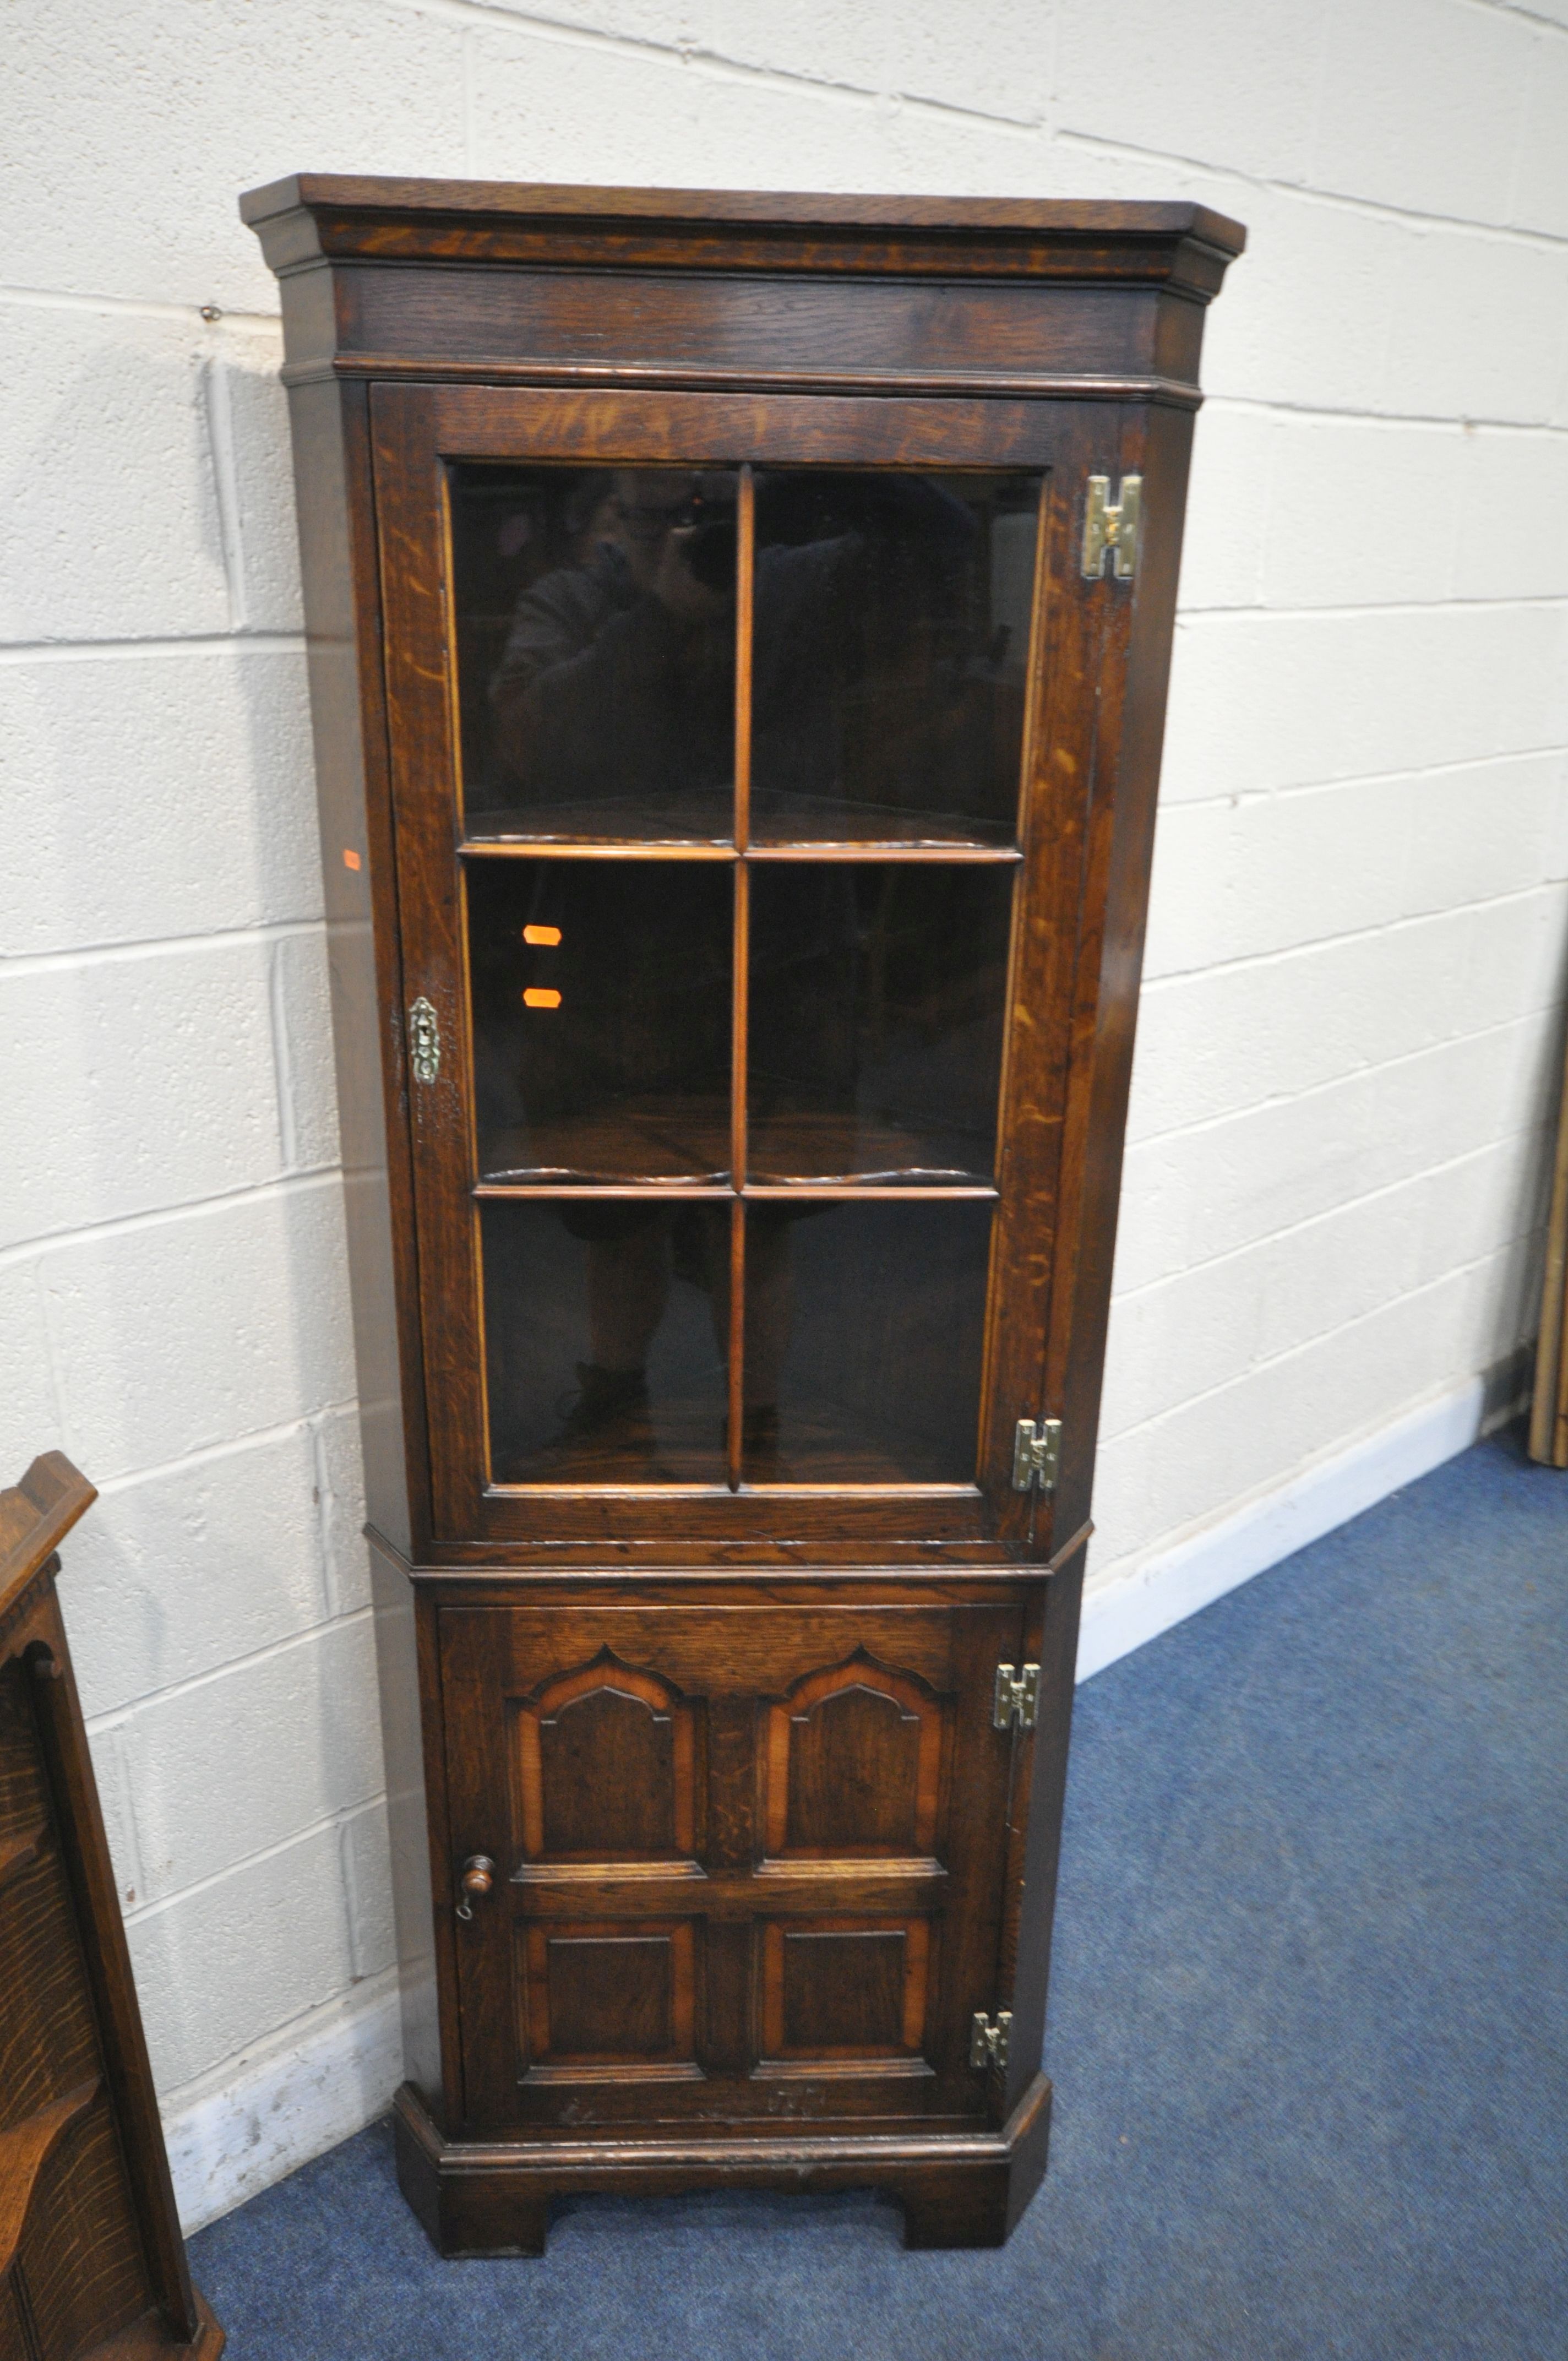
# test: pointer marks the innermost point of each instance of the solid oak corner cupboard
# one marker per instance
(738, 632)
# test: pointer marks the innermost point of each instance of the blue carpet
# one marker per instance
(1309, 2033)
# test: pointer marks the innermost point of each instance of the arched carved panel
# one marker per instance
(854, 1765)
(606, 1767)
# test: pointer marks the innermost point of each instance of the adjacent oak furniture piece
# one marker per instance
(92, 2263)
(738, 629)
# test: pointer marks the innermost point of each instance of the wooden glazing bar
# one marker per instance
(844, 1192)
(739, 1020)
(851, 1192)
(894, 1488)
(738, 1048)
(745, 586)
(838, 850)
(571, 1190)
(554, 848)
(734, 1430)
(854, 1488)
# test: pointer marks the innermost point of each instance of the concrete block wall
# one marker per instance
(1359, 933)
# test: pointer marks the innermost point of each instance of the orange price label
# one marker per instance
(537, 997)
(547, 935)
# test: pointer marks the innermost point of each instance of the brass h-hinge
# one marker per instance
(424, 1040)
(988, 2038)
(1017, 1695)
(1112, 528)
(1036, 1454)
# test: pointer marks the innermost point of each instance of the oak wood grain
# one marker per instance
(24, 2151)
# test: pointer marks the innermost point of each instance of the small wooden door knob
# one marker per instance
(478, 1877)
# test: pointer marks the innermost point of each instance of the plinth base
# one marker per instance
(493, 2197)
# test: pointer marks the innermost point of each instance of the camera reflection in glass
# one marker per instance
(634, 1254)
(613, 700)
(892, 615)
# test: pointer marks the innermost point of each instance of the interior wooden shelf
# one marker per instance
(778, 828)
(632, 1151)
(602, 848)
(548, 848)
(841, 1192)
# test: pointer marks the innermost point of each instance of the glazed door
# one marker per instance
(738, 902)
(748, 1861)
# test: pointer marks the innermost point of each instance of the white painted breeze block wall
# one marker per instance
(1360, 921)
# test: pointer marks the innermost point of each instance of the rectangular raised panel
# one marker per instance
(839, 1990)
(610, 1992)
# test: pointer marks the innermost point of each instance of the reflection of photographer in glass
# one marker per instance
(873, 675)
(618, 677)
(634, 1251)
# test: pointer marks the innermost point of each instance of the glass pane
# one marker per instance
(601, 1017)
(890, 648)
(875, 1030)
(864, 1329)
(595, 650)
(603, 1325)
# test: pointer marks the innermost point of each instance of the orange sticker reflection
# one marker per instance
(537, 997)
(546, 935)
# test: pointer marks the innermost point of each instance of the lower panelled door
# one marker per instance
(748, 1861)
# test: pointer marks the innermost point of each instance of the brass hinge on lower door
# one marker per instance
(988, 2038)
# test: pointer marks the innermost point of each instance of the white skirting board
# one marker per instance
(283, 2106)
(1164, 1589)
(291, 2102)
